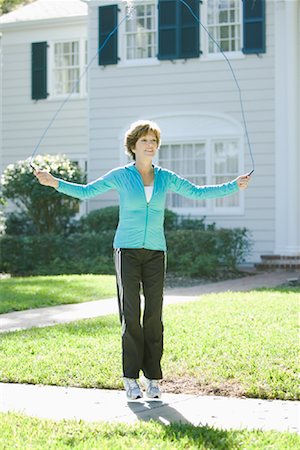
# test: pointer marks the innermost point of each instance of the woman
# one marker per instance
(140, 246)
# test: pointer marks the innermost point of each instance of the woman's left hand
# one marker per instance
(243, 181)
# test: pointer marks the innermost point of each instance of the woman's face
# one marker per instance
(145, 147)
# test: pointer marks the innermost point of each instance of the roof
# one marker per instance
(45, 10)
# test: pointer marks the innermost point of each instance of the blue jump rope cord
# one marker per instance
(74, 87)
(127, 16)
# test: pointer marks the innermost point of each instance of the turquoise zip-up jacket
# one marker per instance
(141, 224)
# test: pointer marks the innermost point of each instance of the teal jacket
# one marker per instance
(141, 224)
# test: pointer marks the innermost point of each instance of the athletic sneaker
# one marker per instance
(152, 387)
(133, 390)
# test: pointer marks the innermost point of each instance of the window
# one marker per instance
(225, 167)
(203, 163)
(187, 160)
(171, 29)
(140, 32)
(69, 61)
(224, 25)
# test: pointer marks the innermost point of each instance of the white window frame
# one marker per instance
(82, 65)
(204, 38)
(211, 209)
(122, 42)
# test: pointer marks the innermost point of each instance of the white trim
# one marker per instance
(118, 268)
(204, 38)
(124, 62)
(287, 118)
(32, 24)
(50, 67)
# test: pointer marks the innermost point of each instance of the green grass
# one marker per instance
(20, 432)
(229, 343)
(18, 294)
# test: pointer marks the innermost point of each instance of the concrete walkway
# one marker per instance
(53, 402)
(42, 317)
(106, 405)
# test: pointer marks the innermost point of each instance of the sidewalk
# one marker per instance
(59, 403)
(54, 315)
(108, 405)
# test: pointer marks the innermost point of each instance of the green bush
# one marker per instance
(193, 253)
(107, 219)
(48, 210)
(56, 254)
(171, 220)
(99, 220)
(200, 253)
(19, 224)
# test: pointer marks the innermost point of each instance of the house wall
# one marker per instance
(287, 92)
(24, 120)
(121, 94)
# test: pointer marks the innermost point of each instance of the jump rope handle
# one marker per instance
(250, 173)
(34, 168)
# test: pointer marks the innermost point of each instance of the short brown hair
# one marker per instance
(137, 130)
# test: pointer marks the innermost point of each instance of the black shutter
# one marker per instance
(254, 26)
(178, 29)
(189, 31)
(39, 70)
(108, 21)
(168, 29)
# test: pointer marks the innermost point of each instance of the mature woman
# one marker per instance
(140, 246)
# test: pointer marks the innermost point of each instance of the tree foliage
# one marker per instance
(48, 210)
(7, 6)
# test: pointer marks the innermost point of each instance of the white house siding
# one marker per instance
(287, 84)
(120, 95)
(24, 119)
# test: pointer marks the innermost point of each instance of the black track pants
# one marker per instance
(142, 337)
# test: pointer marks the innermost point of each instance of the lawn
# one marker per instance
(230, 343)
(18, 294)
(24, 433)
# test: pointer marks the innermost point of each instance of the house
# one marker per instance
(160, 63)
(43, 51)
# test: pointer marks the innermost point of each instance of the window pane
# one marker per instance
(223, 18)
(225, 167)
(188, 161)
(66, 70)
(140, 33)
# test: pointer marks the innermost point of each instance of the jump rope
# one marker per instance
(128, 16)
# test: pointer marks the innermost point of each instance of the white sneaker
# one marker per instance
(152, 387)
(133, 390)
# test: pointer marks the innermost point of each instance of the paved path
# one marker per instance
(58, 403)
(97, 405)
(42, 317)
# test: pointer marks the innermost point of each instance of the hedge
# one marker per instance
(192, 252)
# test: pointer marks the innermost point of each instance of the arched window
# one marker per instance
(205, 148)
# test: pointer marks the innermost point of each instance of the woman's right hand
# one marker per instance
(45, 178)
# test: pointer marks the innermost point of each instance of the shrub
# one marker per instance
(171, 220)
(48, 210)
(107, 219)
(198, 253)
(56, 254)
(18, 223)
(99, 220)
(193, 253)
